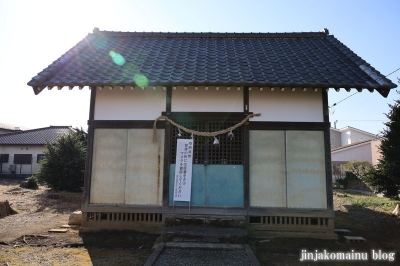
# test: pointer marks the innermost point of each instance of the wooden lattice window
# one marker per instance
(228, 151)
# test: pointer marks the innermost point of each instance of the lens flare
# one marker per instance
(141, 80)
(117, 58)
(129, 71)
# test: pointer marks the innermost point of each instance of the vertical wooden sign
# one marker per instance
(183, 169)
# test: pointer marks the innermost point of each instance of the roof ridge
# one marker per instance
(354, 144)
(211, 34)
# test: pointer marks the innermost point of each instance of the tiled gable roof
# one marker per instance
(311, 59)
(37, 136)
(359, 143)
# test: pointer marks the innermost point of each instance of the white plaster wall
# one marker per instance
(211, 100)
(352, 136)
(289, 106)
(127, 104)
(26, 168)
(346, 138)
(357, 153)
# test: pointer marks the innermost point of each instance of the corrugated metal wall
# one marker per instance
(127, 167)
(287, 169)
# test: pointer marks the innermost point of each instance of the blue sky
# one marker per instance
(35, 33)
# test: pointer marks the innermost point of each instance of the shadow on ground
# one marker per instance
(118, 247)
(381, 232)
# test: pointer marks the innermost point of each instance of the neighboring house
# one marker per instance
(349, 135)
(273, 176)
(9, 128)
(352, 144)
(20, 152)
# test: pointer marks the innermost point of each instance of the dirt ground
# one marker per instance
(25, 240)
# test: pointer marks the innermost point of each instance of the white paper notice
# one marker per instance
(183, 169)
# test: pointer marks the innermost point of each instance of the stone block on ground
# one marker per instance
(58, 230)
(69, 226)
(342, 231)
(354, 239)
(75, 218)
(5, 209)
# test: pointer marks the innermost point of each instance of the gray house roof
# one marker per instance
(307, 59)
(37, 136)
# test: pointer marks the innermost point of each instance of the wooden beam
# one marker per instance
(168, 99)
(246, 166)
(246, 106)
(261, 125)
(125, 123)
(167, 149)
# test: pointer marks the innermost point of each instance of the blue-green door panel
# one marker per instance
(213, 185)
(197, 197)
(224, 185)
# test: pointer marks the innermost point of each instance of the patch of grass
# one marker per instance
(374, 202)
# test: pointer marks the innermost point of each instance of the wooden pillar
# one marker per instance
(327, 142)
(89, 150)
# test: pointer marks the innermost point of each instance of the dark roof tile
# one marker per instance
(265, 59)
(37, 136)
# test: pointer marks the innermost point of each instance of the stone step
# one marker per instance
(212, 221)
(201, 245)
(342, 231)
(354, 239)
(204, 235)
(58, 230)
(69, 226)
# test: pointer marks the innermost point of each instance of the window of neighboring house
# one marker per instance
(22, 158)
(4, 158)
(39, 157)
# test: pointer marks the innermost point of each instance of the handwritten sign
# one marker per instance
(183, 169)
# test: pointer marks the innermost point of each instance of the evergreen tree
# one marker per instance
(386, 177)
(63, 166)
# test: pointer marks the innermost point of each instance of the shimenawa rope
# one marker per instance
(197, 133)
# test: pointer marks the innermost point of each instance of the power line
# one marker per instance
(343, 100)
(357, 92)
(393, 72)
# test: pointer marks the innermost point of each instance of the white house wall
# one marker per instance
(24, 168)
(362, 152)
(287, 105)
(352, 136)
(375, 152)
(211, 100)
(127, 168)
(127, 104)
